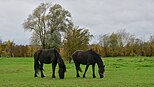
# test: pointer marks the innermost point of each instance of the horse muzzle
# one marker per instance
(101, 76)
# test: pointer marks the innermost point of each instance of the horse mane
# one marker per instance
(97, 57)
(94, 53)
(60, 60)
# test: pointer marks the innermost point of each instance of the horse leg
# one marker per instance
(93, 69)
(85, 71)
(53, 70)
(41, 67)
(77, 69)
(35, 69)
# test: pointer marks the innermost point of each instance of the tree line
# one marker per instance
(116, 44)
(52, 27)
(10, 49)
(123, 43)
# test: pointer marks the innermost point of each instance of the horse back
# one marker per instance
(45, 55)
(83, 57)
(37, 53)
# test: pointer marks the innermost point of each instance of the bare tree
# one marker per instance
(104, 42)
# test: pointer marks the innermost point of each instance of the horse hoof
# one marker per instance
(35, 75)
(53, 76)
(77, 76)
(94, 76)
(42, 76)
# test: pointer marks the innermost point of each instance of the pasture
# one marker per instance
(120, 72)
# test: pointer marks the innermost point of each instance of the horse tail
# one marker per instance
(36, 61)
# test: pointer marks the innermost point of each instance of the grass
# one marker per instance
(120, 72)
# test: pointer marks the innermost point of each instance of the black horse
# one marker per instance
(88, 58)
(47, 56)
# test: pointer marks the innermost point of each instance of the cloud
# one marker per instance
(12, 16)
(100, 16)
(109, 15)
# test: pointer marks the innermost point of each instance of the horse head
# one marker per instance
(100, 63)
(101, 71)
(62, 71)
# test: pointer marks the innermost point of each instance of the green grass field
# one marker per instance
(120, 72)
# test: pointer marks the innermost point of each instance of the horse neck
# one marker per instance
(99, 62)
(59, 60)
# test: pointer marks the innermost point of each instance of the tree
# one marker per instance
(76, 38)
(9, 45)
(0, 41)
(46, 22)
(117, 44)
(104, 43)
(0, 47)
(152, 39)
(152, 45)
(123, 39)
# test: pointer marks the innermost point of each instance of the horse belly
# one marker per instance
(47, 62)
(82, 61)
(88, 61)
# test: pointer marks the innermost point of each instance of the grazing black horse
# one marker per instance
(47, 56)
(88, 58)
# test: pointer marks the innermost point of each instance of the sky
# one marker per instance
(99, 16)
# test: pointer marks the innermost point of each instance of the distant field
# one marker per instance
(120, 72)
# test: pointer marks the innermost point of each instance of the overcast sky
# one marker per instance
(99, 16)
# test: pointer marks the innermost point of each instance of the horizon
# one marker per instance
(100, 17)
